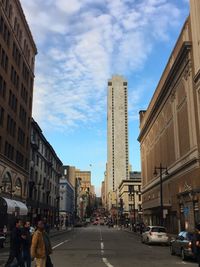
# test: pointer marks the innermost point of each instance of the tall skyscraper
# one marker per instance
(117, 135)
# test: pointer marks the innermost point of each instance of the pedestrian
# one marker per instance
(26, 244)
(46, 226)
(16, 245)
(5, 230)
(41, 246)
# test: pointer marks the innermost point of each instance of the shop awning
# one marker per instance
(12, 205)
(23, 210)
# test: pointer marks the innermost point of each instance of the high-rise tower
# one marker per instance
(117, 135)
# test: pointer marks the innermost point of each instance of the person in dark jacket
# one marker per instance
(26, 244)
(16, 245)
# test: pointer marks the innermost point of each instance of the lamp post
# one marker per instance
(132, 193)
(161, 169)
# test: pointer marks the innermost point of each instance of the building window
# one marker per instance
(18, 188)
(1, 116)
(7, 183)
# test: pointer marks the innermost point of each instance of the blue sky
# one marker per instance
(81, 44)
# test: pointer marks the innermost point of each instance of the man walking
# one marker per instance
(26, 244)
(41, 246)
(16, 245)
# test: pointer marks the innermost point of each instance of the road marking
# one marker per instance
(101, 238)
(107, 263)
(60, 244)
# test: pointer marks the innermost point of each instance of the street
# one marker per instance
(99, 246)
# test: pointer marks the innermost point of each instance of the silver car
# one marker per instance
(155, 234)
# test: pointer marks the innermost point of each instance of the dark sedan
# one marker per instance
(182, 245)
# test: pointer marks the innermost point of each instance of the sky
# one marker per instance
(81, 44)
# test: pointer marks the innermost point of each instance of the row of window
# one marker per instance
(4, 59)
(11, 126)
(14, 78)
(22, 115)
(24, 93)
(21, 136)
(9, 152)
(25, 73)
(12, 101)
(5, 33)
(16, 54)
(1, 116)
(2, 87)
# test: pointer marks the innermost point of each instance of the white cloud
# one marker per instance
(82, 43)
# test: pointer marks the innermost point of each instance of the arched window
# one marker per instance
(18, 187)
(7, 183)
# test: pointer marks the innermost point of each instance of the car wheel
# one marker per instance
(183, 256)
(147, 241)
(172, 250)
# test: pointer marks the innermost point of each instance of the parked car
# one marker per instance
(155, 234)
(95, 223)
(182, 245)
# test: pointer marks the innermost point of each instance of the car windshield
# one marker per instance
(158, 230)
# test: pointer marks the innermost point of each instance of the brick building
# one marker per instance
(17, 60)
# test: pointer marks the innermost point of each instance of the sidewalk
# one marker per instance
(4, 252)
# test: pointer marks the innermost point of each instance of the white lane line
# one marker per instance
(101, 238)
(107, 263)
(102, 246)
(60, 244)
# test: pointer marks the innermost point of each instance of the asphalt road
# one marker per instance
(100, 247)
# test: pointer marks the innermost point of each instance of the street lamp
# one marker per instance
(132, 193)
(161, 169)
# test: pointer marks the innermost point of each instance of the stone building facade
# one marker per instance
(169, 135)
(17, 60)
(83, 189)
(130, 197)
(45, 173)
(66, 206)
